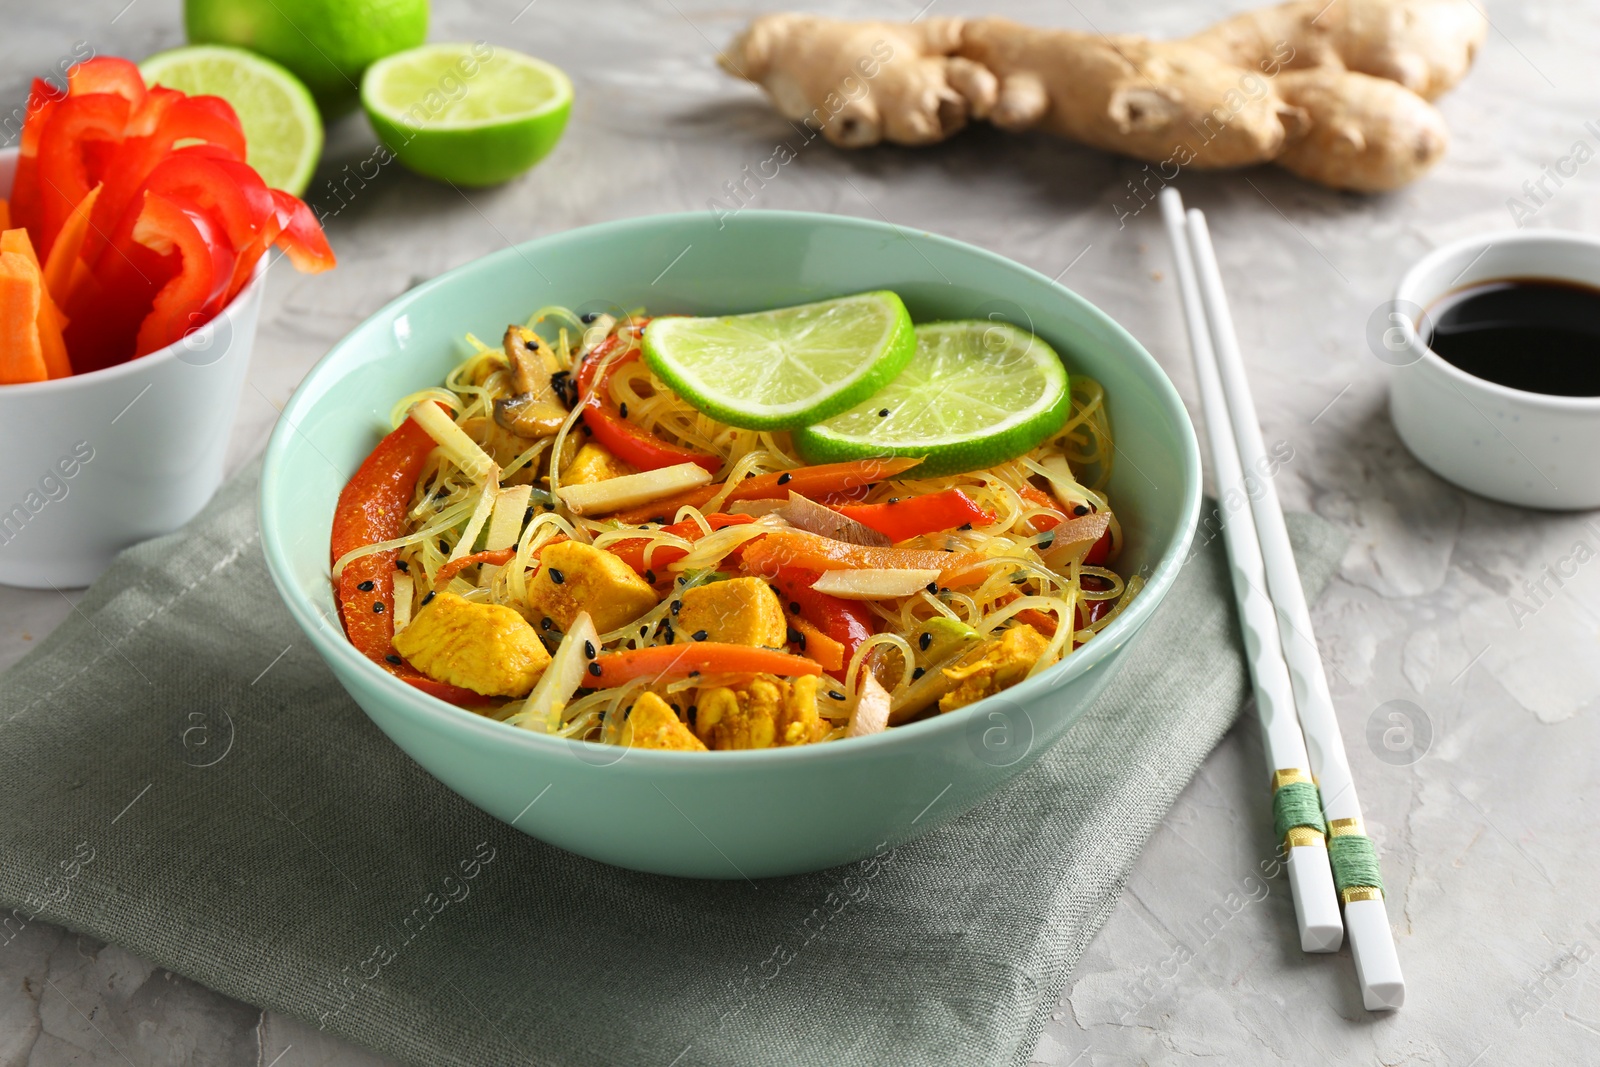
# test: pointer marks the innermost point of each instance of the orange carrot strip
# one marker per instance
(60, 266)
(21, 359)
(828, 653)
(50, 319)
(456, 566)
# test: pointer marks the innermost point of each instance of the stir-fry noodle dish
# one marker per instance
(782, 528)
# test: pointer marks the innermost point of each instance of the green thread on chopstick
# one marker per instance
(1296, 804)
(1355, 862)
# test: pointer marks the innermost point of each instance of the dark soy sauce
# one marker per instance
(1534, 334)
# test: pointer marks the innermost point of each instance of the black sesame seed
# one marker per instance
(835, 696)
(589, 316)
(546, 623)
(933, 587)
(556, 576)
(677, 605)
(796, 637)
(1081, 509)
(594, 669)
(549, 506)
(694, 709)
(700, 635)
(924, 641)
(392, 658)
(683, 581)
(676, 708)
(694, 674)
(366, 586)
(429, 597)
(405, 568)
(623, 410)
(894, 500)
(660, 518)
(588, 649)
(527, 516)
(883, 413)
(532, 343)
(965, 526)
(586, 431)
(785, 478)
(794, 607)
(650, 576)
(918, 673)
(667, 632)
(377, 607)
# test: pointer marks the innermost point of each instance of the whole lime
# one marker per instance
(328, 44)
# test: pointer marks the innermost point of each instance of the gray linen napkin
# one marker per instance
(181, 776)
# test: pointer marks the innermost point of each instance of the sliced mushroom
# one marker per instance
(534, 409)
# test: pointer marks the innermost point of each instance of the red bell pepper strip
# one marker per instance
(300, 235)
(628, 442)
(908, 517)
(107, 74)
(25, 203)
(153, 130)
(849, 622)
(812, 482)
(192, 295)
(632, 550)
(707, 657)
(75, 151)
(372, 508)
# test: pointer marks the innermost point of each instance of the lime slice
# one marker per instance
(776, 370)
(282, 133)
(469, 114)
(978, 393)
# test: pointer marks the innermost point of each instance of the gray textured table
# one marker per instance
(1487, 831)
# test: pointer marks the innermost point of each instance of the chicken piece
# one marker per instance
(739, 611)
(997, 664)
(767, 712)
(487, 648)
(576, 577)
(594, 464)
(652, 724)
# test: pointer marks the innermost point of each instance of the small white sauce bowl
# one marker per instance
(95, 462)
(1517, 447)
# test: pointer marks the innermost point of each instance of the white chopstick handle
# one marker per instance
(1258, 622)
(1315, 902)
(1323, 740)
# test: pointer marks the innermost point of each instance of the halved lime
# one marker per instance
(776, 370)
(471, 114)
(282, 131)
(978, 393)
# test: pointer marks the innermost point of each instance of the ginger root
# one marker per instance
(1336, 93)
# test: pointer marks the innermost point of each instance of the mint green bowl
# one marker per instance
(721, 814)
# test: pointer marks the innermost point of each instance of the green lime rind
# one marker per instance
(282, 128)
(467, 114)
(788, 367)
(978, 393)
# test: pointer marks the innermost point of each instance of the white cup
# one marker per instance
(1529, 449)
(93, 463)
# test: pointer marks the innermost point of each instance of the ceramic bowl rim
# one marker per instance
(1410, 285)
(332, 644)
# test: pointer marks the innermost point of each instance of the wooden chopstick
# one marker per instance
(1298, 831)
(1354, 861)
